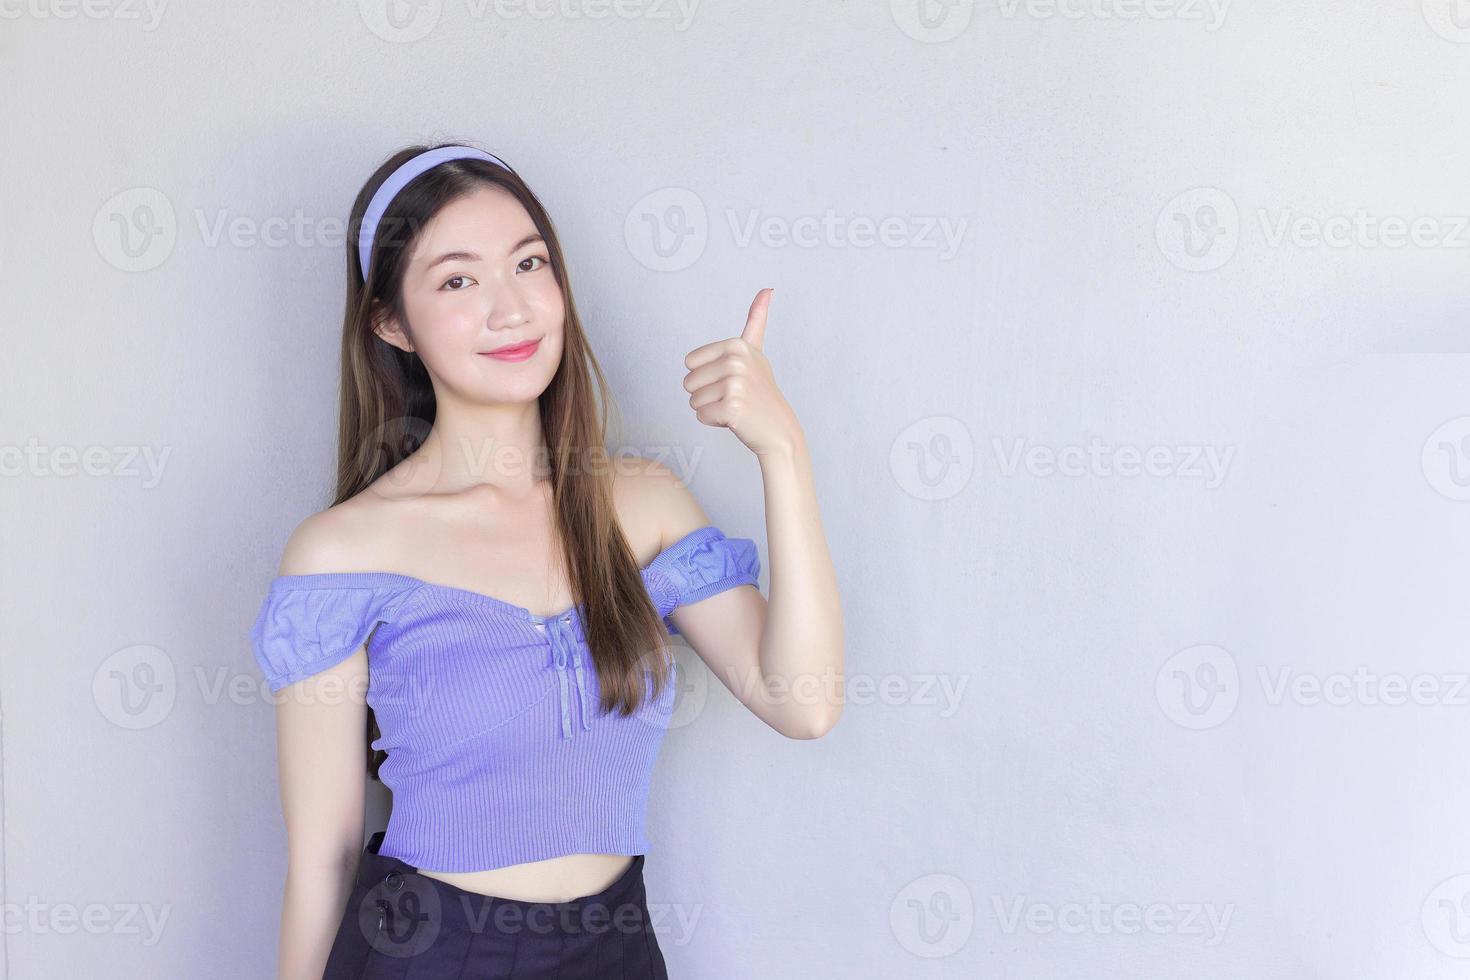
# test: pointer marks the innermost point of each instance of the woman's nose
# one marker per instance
(509, 309)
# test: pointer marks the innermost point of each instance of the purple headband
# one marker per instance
(399, 179)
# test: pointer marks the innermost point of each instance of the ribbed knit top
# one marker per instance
(496, 754)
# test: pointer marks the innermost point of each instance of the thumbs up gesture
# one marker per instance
(730, 384)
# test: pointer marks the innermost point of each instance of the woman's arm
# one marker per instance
(781, 656)
(321, 752)
(801, 649)
(322, 756)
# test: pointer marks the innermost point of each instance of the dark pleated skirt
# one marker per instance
(401, 925)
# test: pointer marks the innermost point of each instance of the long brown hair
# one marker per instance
(388, 407)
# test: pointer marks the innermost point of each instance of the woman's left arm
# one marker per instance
(799, 656)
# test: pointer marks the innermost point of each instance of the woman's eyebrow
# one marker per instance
(475, 257)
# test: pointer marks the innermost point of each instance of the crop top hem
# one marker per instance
(622, 844)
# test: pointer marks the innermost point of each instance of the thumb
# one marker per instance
(754, 333)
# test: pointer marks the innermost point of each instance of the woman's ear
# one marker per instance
(389, 329)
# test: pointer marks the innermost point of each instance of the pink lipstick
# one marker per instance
(514, 352)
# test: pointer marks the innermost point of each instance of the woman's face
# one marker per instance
(479, 279)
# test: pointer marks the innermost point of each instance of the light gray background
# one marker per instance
(1122, 750)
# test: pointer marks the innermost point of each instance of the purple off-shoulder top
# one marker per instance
(475, 699)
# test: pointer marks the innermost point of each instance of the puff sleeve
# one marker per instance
(308, 623)
(699, 565)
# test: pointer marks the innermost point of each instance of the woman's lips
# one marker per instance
(517, 353)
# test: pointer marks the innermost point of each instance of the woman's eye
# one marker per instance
(533, 258)
(452, 279)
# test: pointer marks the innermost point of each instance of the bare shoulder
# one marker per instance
(650, 494)
(331, 540)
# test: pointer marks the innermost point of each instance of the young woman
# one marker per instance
(490, 598)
